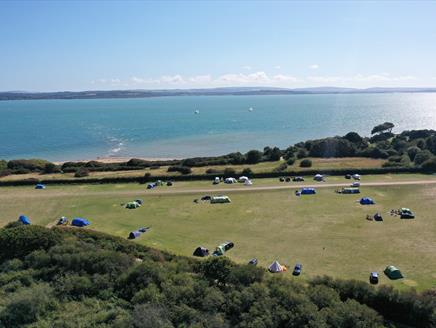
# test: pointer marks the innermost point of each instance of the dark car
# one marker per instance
(348, 176)
(298, 179)
(253, 261)
(288, 179)
(373, 278)
(139, 201)
(378, 217)
(169, 183)
(297, 269)
(282, 179)
(206, 197)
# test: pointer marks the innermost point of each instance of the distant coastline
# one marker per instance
(229, 91)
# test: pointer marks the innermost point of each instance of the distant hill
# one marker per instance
(95, 94)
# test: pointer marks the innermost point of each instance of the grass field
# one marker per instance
(318, 164)
(327, 232)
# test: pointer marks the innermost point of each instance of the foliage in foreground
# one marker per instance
(65, 277)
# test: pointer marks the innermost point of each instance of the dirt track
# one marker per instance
(229, 189)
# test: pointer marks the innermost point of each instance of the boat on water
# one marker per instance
(196, 111)
(250, 109)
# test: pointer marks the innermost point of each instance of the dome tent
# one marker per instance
(308, 191)
(367, 201)
(201, 252)
(40, 186)
(393, 272)
(80, 222)
(24, 219)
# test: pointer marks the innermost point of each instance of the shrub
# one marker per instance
(214, 171)
(290, 161)
(27, 164)
(247, 172)
(429, 165)
(422, 156)
(253, 156)
(229, 172)
(81, 172)
(282, 167)
(51, 168)
(306, 163)
(180, 169)
(302, 153)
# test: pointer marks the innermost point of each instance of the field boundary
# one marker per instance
(199, 177)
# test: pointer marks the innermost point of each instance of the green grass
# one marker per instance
(327, 232)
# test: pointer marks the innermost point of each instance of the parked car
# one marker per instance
(206, 197)
(405, 213)
(297, 269)
(355, 184)
(282, 179)
(288, 179)
(169, 183)
(298, 179)
(216, 180)
(373, 278)
(347, 176)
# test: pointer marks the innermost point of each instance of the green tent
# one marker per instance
(132, 205)
(393, 273)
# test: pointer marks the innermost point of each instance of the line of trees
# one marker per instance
(79, 278)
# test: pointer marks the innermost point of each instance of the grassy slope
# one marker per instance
(327, 232)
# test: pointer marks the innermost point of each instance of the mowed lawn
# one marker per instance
(327, 232)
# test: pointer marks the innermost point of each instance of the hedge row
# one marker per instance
(195, 177)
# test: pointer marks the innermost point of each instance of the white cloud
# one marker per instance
(277, 67)
(247, 67)
(314, 66)
(259, 78)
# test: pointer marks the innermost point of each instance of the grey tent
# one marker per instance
(201, 252)
(275, 267)
(134, 234)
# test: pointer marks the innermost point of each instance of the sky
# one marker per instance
(86, 45)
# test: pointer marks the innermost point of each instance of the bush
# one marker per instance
(51, 168)
(306, 163)
(253, 156)
(290, 161)
(33, 165)
(214, 171)
(429, 165)
(422, 156)
(81, 172)
(282, 167)
(302, 153)
(229, 172)
(180, 169)
(247, 172)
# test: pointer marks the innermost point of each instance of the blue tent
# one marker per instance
(308, 191)
(134, 234)
(80, 222)
(366, 201)
(40, 186)
(24, 219)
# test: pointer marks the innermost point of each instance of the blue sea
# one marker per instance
(169, 127)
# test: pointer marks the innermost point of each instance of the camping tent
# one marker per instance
(220, 199)
(132, 205)
(248, 183)
(230, 180)
(40, 186)
(80, 222)
(222, 248)
(366, 201)
(393, 273)
(201, 251)
(243, 178)
(356, 176)
(308, 191)
(24, 219)
(275, 267)
(134, 234)
(318, 177)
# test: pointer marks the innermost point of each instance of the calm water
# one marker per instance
(168, 127)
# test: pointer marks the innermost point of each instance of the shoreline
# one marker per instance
(110, 160)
